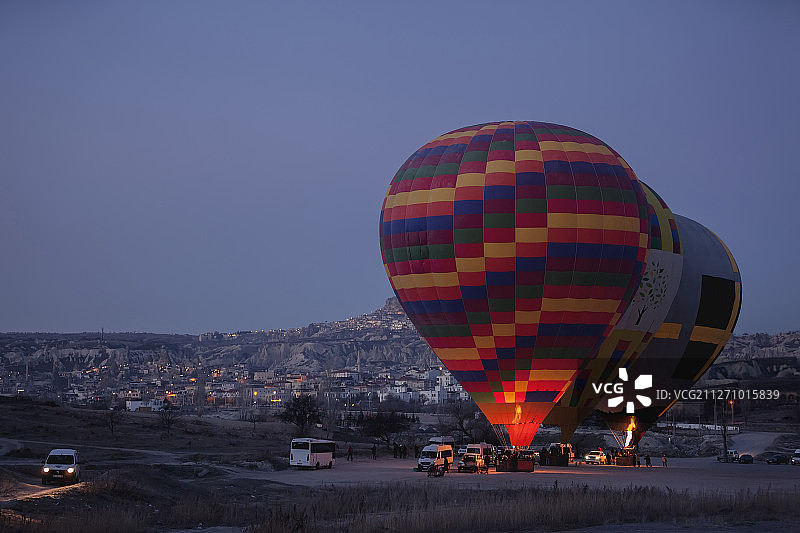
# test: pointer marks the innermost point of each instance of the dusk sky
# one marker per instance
(192, 166)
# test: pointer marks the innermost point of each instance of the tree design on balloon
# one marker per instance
(652, 289)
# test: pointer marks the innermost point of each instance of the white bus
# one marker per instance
(312, 452)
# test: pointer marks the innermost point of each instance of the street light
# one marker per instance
(731, 402)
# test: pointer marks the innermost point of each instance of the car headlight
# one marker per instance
(45, 470)
(70, 470)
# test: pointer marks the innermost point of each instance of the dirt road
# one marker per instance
(153, 456)
(752, 442)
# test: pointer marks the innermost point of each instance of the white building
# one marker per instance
(144, 405)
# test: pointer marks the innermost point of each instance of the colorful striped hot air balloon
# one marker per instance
(515, 248)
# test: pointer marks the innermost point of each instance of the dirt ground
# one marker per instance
(692, 474)
(143, 471)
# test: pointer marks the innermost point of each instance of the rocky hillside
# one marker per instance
(375, 341)
(760, 346)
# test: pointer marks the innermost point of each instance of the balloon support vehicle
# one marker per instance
(61, 466)
(434, 455)
(595, 457)
(472, 462)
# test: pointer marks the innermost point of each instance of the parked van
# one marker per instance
(435, 454)
(312, 452)
(61, 466)
(484, 450)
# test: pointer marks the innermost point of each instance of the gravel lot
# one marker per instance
(693, 474)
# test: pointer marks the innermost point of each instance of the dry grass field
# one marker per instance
(210, 473)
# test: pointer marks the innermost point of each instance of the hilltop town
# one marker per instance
(369, 358)
(354, 363)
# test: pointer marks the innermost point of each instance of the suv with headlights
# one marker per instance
(61, 466)
(595, 456)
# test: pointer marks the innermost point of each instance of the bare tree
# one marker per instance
(301, 411)
(113, 418)
(253, 416)
(168, 417)
(384, 425)
(462, 418)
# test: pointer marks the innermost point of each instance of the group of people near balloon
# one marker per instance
(542, 272)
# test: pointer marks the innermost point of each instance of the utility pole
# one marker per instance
(724, 436)
(715, 414)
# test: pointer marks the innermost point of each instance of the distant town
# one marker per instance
(349, 365)
(219, 371)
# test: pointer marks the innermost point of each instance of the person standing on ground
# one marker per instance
(350, 453)
(664, 460)
(374, 452)
(647, 461)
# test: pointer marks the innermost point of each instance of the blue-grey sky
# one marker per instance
(189, 166)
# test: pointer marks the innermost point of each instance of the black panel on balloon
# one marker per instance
(738, 308)
(694, 358)
(717, 296)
